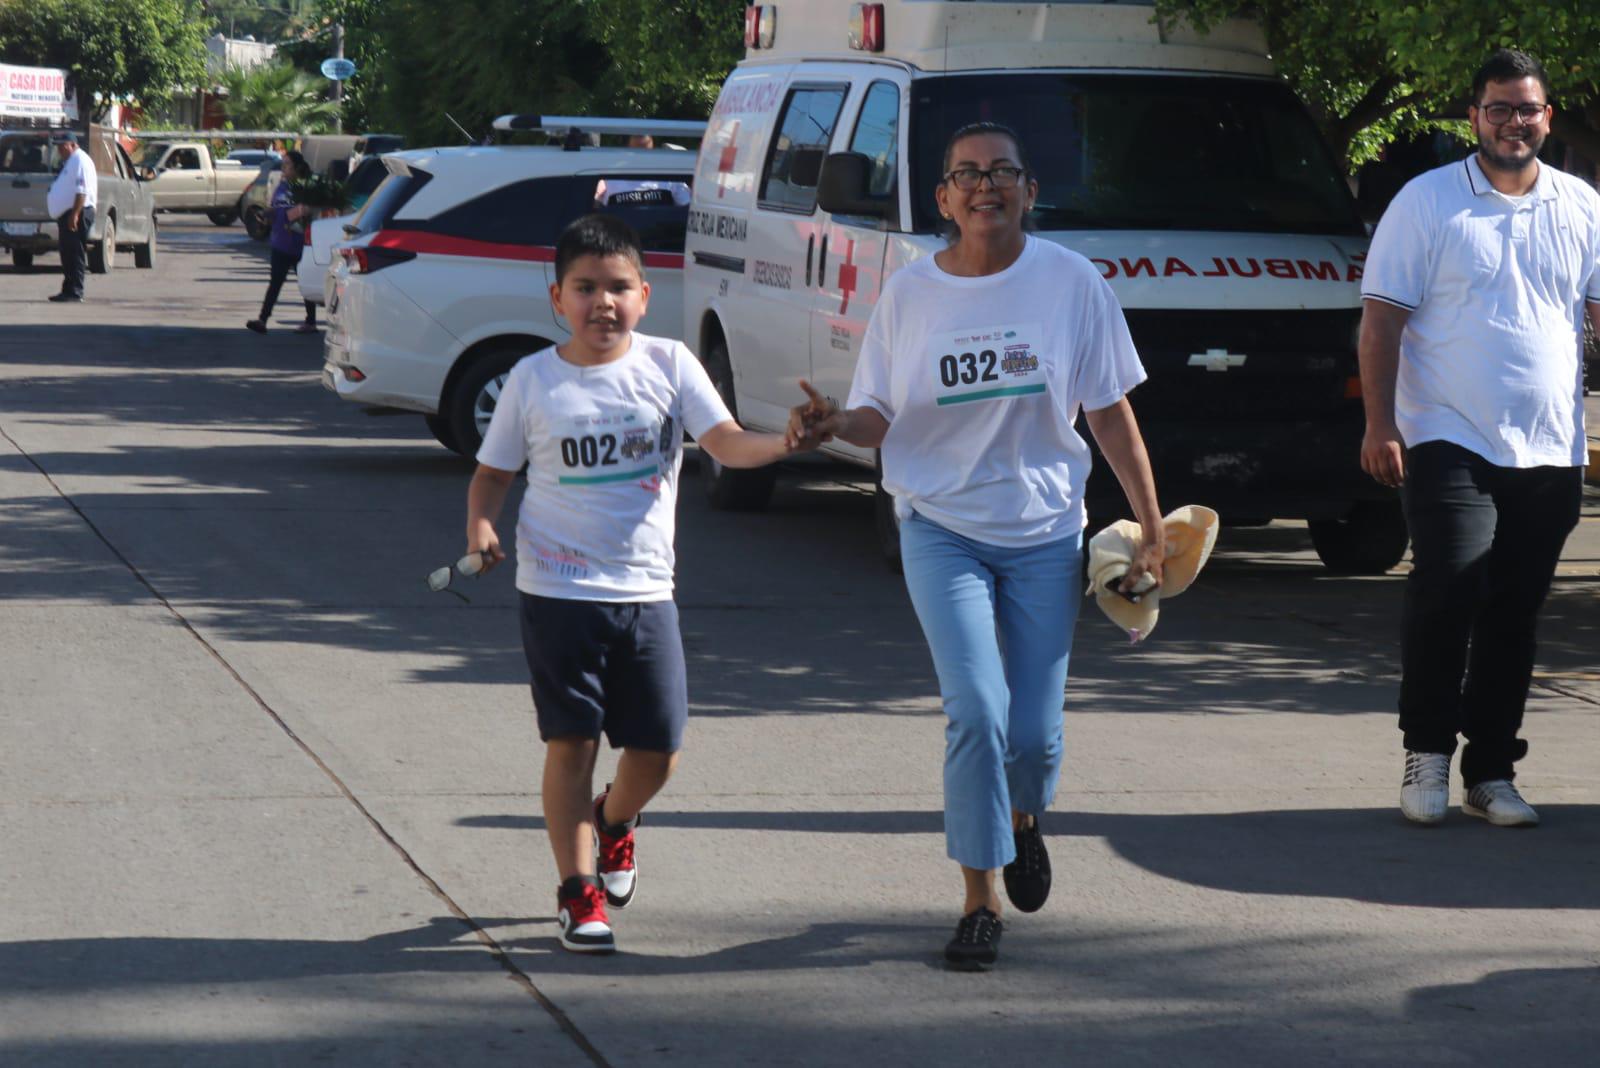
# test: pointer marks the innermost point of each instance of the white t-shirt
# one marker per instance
(1490, 359)
(981, 380)
(77, 175)
(603, 446)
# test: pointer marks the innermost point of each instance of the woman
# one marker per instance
(286, 242)
(973, 368)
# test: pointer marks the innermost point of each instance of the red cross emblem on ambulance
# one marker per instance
(730, 152)
(847, 275)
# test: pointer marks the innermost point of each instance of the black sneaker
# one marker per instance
(976, 945)
(1028, 876)
(66, 298)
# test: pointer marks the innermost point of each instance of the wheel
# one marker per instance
(255, 222)
(1368, 541)
(144, 256)
(103, 253)
(727, 489)
(887, 522)
(473, 399)
(21, 259)
(224, 217)
(440, 428)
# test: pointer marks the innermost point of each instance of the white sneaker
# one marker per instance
(1498, 802)
(1425, 790)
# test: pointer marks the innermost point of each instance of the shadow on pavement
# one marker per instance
(1370, 855)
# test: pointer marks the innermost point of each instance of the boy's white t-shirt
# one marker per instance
(603, 445)
(981, 380)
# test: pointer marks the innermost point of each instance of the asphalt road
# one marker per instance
(264, 800)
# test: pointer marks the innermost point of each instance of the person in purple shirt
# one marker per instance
(286, 243)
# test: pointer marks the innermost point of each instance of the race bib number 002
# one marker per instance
(990, 364)
(600, 449)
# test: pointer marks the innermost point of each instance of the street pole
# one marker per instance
(338, 86)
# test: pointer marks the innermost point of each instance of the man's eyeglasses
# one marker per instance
(967, 179)
(439, 579)
(1500, 114)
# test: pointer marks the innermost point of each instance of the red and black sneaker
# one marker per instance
(581, 914)
(616, 865)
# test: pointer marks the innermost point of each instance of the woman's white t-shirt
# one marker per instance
(981, 380)
(603, 445)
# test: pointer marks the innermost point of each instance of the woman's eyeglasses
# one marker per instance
(439, 579)
(967, 179)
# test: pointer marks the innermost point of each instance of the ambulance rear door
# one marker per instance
(850, 251)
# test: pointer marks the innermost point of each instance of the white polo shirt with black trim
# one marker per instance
(1491, 357)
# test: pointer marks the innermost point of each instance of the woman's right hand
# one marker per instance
(814, 422)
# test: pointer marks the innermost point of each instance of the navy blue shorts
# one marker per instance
(599, 666)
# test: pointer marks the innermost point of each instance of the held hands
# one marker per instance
(1383, 455)
(813, 423)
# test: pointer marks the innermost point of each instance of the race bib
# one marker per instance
(989, 364)
(605, 448)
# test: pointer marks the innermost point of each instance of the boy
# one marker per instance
(599, 420)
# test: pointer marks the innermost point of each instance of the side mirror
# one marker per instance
(844, 188)
(805, 166)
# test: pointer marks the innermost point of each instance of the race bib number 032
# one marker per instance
(990, 364)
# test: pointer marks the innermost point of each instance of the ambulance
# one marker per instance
(1177, 162)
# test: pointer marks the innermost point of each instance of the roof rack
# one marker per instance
(566, 126)
(213, 135)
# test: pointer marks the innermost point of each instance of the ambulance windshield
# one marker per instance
(1141, 152)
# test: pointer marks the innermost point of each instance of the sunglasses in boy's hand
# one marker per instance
(439, 579)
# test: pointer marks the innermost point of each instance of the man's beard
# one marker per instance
(1506, 162)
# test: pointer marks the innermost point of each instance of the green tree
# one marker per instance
(1370, 68)
(140, 49)
(276, 96)
(363, 44)
(668, 58)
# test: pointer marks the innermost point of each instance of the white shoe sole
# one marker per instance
(1500, 821)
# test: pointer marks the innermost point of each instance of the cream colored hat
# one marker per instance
(1191, 531)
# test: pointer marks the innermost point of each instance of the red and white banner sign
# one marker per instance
(36, 93)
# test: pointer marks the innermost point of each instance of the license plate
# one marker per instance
(21, 229)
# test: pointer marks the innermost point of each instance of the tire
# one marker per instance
(21, 259)
(727, 489)
(255, 222)
(1369, 541)
(886, 522)
(103, 253)
(226, 217)
(144, 256)
(439, 426)
(471, 403)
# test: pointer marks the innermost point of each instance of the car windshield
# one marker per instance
(388, 198)
(28, 154)
(1145, 151)
(147, 153)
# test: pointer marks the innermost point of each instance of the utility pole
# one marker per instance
(338, 86)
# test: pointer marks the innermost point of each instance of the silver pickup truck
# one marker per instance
(124, 213)
(183, 176)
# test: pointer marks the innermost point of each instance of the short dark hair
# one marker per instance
(597, 235)
(974, 129)
(301, 167)
(1508, 65)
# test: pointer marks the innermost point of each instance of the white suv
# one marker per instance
(444, 284)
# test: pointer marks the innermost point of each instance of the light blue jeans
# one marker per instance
(999, 624)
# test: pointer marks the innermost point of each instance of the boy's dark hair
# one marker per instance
(1508, 65)
(597, 235)
(301, 167)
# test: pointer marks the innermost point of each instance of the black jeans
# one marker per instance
(1484, 544)
(282, 264)
(74, 253)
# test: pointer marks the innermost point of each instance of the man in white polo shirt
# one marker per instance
(71, 203)
(1475, 289)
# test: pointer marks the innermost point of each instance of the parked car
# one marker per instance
(182, 177)
(253, 202)
(442, 287)
(323, 234)
(124, 217)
